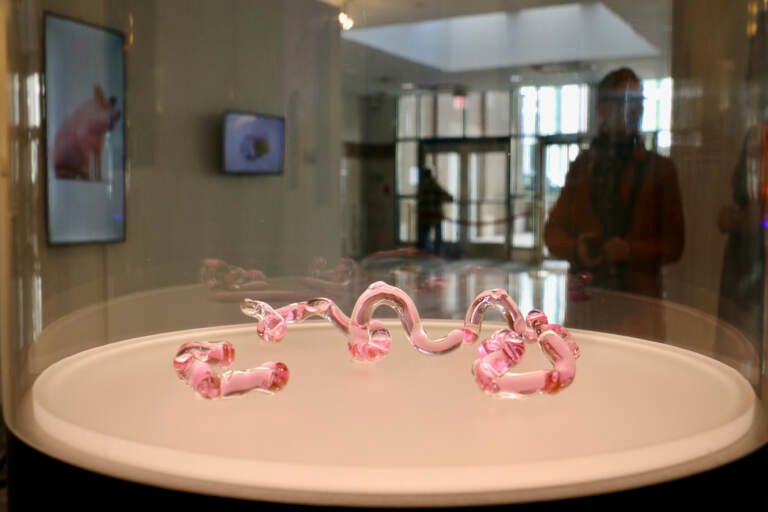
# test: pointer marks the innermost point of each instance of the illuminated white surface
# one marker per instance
(507, 39)
(410, 430)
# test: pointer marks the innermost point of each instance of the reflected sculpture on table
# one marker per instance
(228, 283)
(197, 363)
(218, 274)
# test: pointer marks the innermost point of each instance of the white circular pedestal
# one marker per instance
(411, 430)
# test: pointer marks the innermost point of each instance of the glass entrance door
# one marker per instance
(500, 203)
(476, 173)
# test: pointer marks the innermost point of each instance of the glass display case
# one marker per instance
(446, 253)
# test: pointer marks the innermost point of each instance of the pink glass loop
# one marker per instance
(369, 340)
(198, 364)
(273, 323)
(494, 376)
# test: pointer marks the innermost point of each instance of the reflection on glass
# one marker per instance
(450, 120)
(369, 340)
(529, 109)
(487, 185)
(496, 113)
(407, 167)
(408, 215)
(407, 115)
(473, 115)
(448, 172)
(573, 111)
(547, 110)
(426, 115)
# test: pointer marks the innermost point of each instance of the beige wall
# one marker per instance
(187, 62)
(379, 113)
(368, 134)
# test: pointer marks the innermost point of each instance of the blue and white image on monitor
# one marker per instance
(253, 143)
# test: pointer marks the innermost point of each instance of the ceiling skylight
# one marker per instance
(544, 35)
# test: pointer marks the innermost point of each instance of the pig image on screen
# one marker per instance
(79, 141)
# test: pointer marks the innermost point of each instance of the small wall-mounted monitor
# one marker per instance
(253, 143)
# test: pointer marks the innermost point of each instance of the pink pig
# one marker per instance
(80, 139)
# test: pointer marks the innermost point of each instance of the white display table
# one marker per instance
(411, 430)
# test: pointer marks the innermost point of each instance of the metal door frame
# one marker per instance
(464, 146)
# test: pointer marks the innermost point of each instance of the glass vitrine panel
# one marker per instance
(242, 310)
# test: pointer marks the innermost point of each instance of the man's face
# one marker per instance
(621, 109)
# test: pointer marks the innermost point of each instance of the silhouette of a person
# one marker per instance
(431, 197)
(742, 279)
(619, 215)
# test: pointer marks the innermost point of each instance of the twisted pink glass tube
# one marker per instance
(369, 340)
(197, 364)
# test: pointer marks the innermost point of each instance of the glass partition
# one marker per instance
(568, 309)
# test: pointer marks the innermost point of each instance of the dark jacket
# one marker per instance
(647, 191)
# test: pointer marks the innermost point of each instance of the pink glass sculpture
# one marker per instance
(578, 284)
(198, 362)
(341, 273)
(369, 340)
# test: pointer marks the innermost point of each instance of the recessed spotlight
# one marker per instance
(346, 21)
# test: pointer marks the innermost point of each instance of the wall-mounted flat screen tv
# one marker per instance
(253, 143)
(85, 114)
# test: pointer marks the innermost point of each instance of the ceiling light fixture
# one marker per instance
(345, 20)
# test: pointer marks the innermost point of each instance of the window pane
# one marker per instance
(474, 115)
(573, 152)
(406, 116)
(528, 102)
(664, 142)
(665, 104)
(570, 112)
(522, 221)
(522, 161)
(547, 110)
(488, 224)
(427, 115)
(447, 173)
(487, 183)
(407, 167)
(528, 161)
(496, 113)
(487, 176)
(515, 157)
(556, 163)
(407, 214)
(650, 119)
(522, 184)
(449, 119)
(584, 100)
(657, 106)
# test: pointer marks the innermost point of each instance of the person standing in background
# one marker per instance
(431, 197)
(619, 215)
